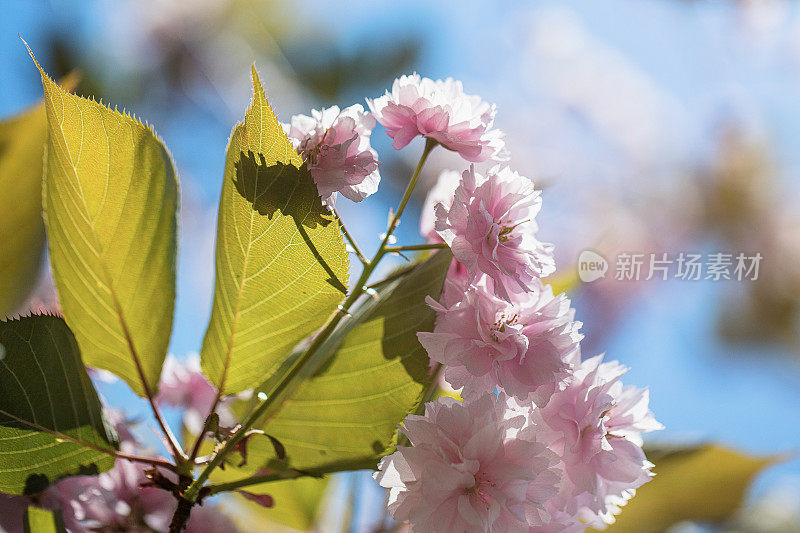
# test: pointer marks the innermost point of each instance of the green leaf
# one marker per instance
(705, 484)
(110, 205)
(297, 504)
(47, 402)
(22, 141)
(281, 261)
(39, 520)
(297, 501)
(351, 407)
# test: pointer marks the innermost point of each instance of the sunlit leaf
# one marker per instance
(46, 399)
(22, 140)
(297, 502)
(704, 484)
(297, 505)
(351, 407)
(43, 521)
(281, 262)
(110, 205)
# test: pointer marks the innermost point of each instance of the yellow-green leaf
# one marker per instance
(704, 484)
(48, 407)
(281, 262)
(22, 141)
(43, 521)
(297, 505)
(110, 205)
(379, 373)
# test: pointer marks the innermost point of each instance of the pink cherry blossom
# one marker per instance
(485, 342)
(115, 501)
(456, 283)
(473, 466)
(490, 228)
(12, 511)
(441, 193)
(336, 147)
(595, 424)
(440, 110)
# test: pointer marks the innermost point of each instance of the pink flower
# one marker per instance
(456, 283)
(184, 386)
(595, 425)
(440, 110)
(490, 228)
(485, 342)
(441, 193)
(115, 501)
(12, 511)
(474, 466)
(335, 146)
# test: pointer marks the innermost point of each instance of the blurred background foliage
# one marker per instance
(653, 126)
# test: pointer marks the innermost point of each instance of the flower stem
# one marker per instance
(350, 239)
(292, 473)
(267, 406)
(415, 247)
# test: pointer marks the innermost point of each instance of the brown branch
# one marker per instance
(177, 452)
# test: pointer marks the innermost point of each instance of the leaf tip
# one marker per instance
(30, 53)
(35, 61)
(258, 89)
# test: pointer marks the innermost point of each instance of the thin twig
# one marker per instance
(201, 436)
(361, 463)
(399, 273)
(177, 452)
(350, 239)
(415, 247)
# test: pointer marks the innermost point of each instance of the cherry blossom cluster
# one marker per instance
(335, 143)
(543, 440)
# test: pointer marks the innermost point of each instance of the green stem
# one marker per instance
(397, 274)
(415, 247)
(299, 364)
(320, 471)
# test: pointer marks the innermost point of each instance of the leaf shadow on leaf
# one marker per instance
(292, 192)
